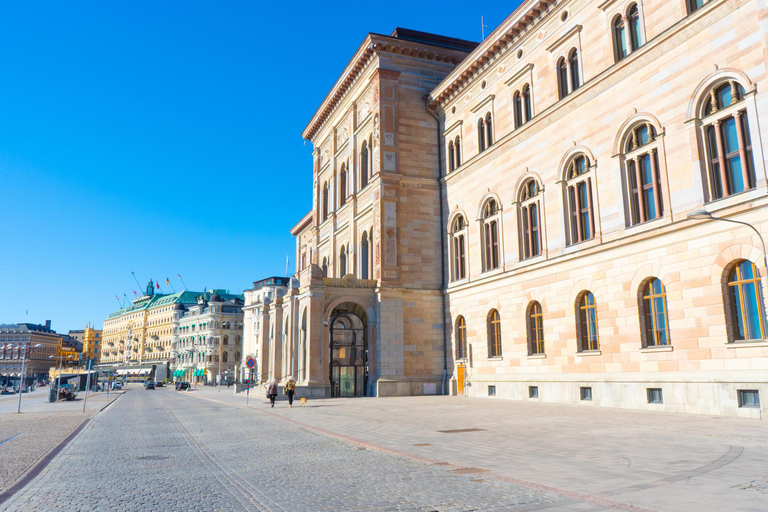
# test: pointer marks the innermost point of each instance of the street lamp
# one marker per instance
(23, 349)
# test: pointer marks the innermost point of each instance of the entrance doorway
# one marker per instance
(349, 352)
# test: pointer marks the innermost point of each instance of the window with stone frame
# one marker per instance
(457, 149)
(451, 157)
(535, 321)
(743, 299)
(490, 235)
(461, 338)
(342, 261)
(529, 220)
(562, 78)
(488, 130)
(325, 201)
(458, 248)
(627, 32)
(494, 334)
(653, 314)
(580, 217)
(365, 270)
(364, 165)
(325, 267)
(343, 185)
(523, 111)
(642, 175)
(727, 141)
(481, 135)
(586, 324)
(695, 5)
(574, 69)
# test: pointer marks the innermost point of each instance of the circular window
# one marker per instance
(483, 84)
(564, 16)
(453, 110)
(520, 53)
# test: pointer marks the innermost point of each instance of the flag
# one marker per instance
(179, 276)
(158, 285)
(136, 294)
(167, 281)
(118, 298)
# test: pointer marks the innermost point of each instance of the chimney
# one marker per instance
(47, 324)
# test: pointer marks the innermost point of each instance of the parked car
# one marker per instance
(117, 386)
(149, 385)
(182, 386)
(159, 384)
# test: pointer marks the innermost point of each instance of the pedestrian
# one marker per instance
(272, 391)
(289, 388)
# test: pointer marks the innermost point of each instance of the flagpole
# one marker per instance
(134, 278)
(182, 282)
(169, 283)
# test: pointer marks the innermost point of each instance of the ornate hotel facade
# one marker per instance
(567, 212)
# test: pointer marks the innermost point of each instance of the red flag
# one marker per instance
(136, 294)
(158, 285)
(179, 275)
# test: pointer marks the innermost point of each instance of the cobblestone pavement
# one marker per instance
(161, 450)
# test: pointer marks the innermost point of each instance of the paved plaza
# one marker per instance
(207, 450)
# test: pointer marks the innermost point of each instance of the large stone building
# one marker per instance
(207, 338)
(531, 217)
(92, 344)
(38, 359)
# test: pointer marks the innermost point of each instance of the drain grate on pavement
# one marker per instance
(423, 444)
(469, 471)
(461, 430)
(153, 457)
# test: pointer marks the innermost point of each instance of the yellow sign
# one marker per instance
(461, 374)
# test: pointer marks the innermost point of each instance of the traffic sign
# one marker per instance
(250, 362)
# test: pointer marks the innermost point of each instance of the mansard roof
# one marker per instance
(402, 41)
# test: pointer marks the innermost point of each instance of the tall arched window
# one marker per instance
(517, 105)
(488, 129)
(225, 340)
(745, 299)
(342, 262)
(325, 267)
(343, 185)
(494, 334)
(458, 248)
(364, 165)
(527, 104)
(642, 175)
(451, 157)
(573, 64)
(457, 146)
(586, 325)
(562, 77)
(461, 338)
(535, 329)
(620, 38)
(654, 314)
(530, 220)
(364, 270)
(325, 201)
(490, 233)
(578, 195)
(635, 31)
(481, 135)
(225, 357)
(727, 139)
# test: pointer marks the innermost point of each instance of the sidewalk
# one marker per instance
(658, 461)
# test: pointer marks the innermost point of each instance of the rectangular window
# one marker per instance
(533, 391)
(586, 394)
(749, 398)
(655, 396)
(491, 390)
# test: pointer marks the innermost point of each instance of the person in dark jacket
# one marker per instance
(289, 388)
(272, 391)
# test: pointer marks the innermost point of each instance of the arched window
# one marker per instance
(573, 64)
(490, 234)
(578, 195)
(457, 146)
(744, 297)
(481, 135)
(635, 31)
(226, 340)
(620, 38)
(694, 5)
(458, 248)
(494, 334)
(461, 338)
(586, 325)
(238, 339)
(517, 103)
(727, 139)
(342, 262)
(527, 104)
(364, 165)
(237, 356)
(488, 130)
(654, 314)
(225, 357)
(343, 185)
(325, 201)
(364, 258)
(451, 157)
(530, 220)
(325, 267)
(562, 77)
(642, 175)
(535, 329)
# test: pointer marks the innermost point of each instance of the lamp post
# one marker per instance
(23, 349)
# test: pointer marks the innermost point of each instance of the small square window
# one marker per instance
(655, 396)
(749, 398)
(491, 390)
(533, 391)
(586, 394)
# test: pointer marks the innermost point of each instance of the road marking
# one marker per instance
(11, 438)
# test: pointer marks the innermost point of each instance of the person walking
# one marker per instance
(289, 388)
(272, 391)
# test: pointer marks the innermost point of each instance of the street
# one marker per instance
(204, 450)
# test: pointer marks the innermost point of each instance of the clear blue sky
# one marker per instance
(164, 138)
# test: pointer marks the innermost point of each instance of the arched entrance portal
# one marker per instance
(349, 351)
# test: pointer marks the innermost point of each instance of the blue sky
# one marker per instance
(164, 138)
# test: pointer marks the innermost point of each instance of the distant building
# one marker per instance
(207, 338)
(38, 359)
(91, 344)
